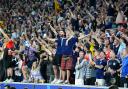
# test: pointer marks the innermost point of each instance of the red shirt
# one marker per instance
(10, 44)
(108, 54)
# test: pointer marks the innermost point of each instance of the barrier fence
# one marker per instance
(48, 86)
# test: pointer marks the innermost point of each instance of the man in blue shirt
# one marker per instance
(64, 50)
(65, 43)
(100, 65)
(124, 68)
(58, 55)
(66, 62)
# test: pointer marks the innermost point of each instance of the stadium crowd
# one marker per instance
(81, 42)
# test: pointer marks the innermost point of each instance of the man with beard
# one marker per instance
(63, 57)
(58, 54)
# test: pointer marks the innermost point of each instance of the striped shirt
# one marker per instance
(89, 71)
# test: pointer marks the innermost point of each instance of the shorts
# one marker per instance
(30, 62)
(79, 81)
(57, 60)
(66, 64)
(100, 82)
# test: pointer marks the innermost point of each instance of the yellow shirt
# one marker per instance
(92, 48)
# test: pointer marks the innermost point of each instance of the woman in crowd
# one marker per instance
(35, 75)
(80, 69)
(26, 74)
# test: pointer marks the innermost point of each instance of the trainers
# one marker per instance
(6, 80)
(25, 81)
(60, 82)
(66, 82)
(54, 81)
(10, 80)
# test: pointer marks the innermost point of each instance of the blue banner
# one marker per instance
(47, 86)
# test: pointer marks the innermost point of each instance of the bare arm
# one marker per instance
(50, 39)
(44, 46)
(4, 34)
(72, 15)
(53, 29)
(47, 50)
(82, 36)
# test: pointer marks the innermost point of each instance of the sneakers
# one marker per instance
(9, 80)
(6, 81)
(60, 82)
(25, 81)
(66, 82)
(54, 81)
